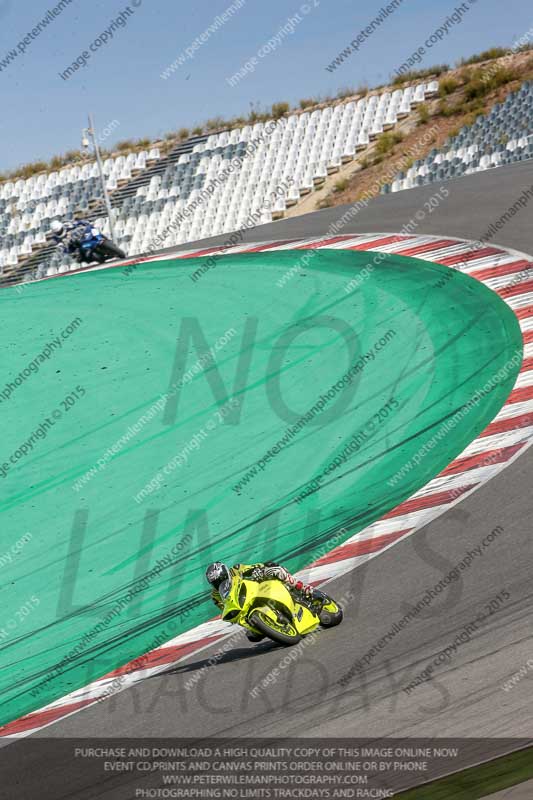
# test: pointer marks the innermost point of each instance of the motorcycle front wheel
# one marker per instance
(330, 613)
(281, 632)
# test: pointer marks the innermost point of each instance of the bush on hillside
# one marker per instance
(215, 123)
(418, 74)
(341, 185)
(345, 91)
(482, 84)
(486, 55)
(423, 114)
(386, 142)
(447, 111)
(448, 86)
(280, 109)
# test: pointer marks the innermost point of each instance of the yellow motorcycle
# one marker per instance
(269, 608)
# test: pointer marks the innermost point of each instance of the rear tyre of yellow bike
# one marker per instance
(282, 632)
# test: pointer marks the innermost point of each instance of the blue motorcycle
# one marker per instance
(97, 247)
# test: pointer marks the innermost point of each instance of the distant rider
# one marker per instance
(218, 572)
(69, 235)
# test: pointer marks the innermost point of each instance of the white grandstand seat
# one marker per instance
(11, 258)
(405, 106)
(377, 126)
(363, 138)
(419, 93)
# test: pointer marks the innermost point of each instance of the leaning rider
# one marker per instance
(69, 235)
(218, 572)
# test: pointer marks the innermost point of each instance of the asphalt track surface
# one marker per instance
(465, 698)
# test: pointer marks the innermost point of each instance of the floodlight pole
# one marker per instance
(91, 132)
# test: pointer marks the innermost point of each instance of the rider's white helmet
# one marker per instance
(57, 227)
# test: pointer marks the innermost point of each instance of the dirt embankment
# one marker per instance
(466, 92)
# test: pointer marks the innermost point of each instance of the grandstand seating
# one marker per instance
(296, 157)
(303, 150)
(503, 136)
(27, 207)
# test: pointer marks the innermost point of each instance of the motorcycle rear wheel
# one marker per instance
(285, 634)
(107, 249)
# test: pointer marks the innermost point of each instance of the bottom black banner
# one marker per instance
(161, 769)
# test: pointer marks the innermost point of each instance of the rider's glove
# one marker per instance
(306, 589)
